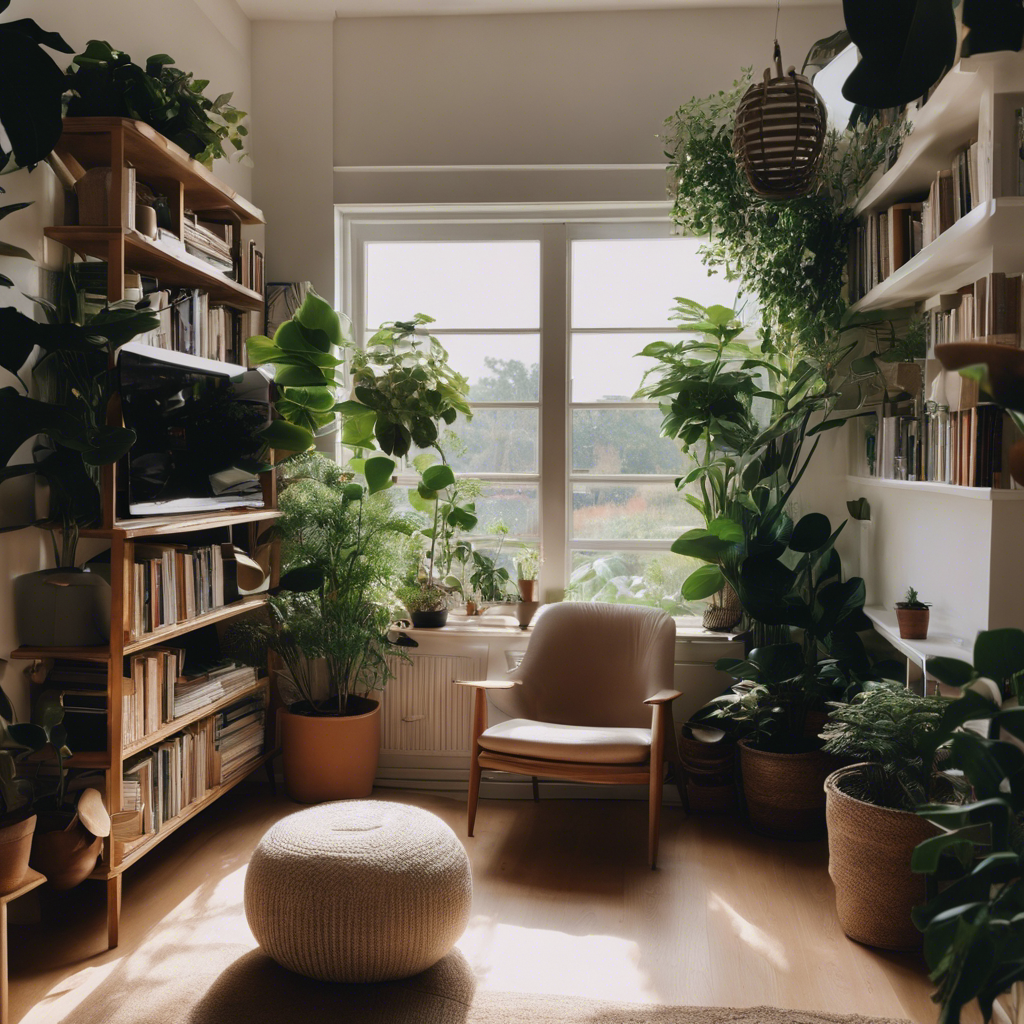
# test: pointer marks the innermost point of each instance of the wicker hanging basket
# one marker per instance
(780, 131)
(724, 611)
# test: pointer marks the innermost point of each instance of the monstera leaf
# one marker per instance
(905, 47)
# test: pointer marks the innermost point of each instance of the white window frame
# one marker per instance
(555, 227)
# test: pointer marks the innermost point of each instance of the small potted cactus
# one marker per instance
(912, 615)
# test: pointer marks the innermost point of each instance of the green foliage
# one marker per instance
(625, 579)
(859, 509)
(74, 376)
(424, 597)
(341, 548)
(303, 354)
(31, 90)
(791, 256)
(105, 83)
(528, 563)
(893, 731)
(911, 601)
(490, 580)
(402, 387)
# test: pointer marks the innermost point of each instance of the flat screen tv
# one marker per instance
(197, 424)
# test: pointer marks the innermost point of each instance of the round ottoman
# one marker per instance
(358, 891)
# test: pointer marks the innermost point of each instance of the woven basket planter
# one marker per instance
(780, 131)
(869, 851)
(785, 793)
(724, 611)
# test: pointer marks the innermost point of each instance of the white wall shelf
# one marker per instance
(947, 122)
(996, 227)
(931, 487)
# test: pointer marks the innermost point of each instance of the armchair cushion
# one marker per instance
(521, 737)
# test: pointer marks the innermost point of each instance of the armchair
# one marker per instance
(590, 701)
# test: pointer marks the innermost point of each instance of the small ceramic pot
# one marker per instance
(62, 608)
(525, 611)
(913, 623)
(66, 856)
(15, 846)
(429, 620)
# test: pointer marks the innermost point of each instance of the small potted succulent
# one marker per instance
(427, 603)
(912, 615)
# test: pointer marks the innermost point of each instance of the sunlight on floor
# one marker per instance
(756, 938)
(508, 958)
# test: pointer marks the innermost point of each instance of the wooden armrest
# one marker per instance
(663, 697)
(488, 684)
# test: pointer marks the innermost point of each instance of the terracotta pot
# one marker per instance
(913, 623)
(429, 620)
(869, 851)
(528, 590)
(66, 856)
(330, 757)
(15, 846)
(785, 793)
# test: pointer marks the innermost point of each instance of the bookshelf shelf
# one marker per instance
(995, 225)
(146, 257)
(138, 847)
(229, 611)
(929, 487)
(170, 728)
(155, 159)
(946, 122)
(161, 526)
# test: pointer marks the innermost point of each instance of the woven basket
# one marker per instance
(785, 793)
(780, 130)
(869, 850)
(724, 611)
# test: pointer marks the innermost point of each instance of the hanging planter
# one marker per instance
(780, 132)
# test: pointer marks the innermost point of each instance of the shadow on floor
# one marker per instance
(256, 990)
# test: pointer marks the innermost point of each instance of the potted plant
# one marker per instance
(912, 615)
(527, 566)
(65, 605)
(893, 735)
(973, 925)
(328, 622)
(17, 814)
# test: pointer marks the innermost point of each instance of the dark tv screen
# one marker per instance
(197, 424)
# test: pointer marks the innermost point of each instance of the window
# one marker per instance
(545, 317)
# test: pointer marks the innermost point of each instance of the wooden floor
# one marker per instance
(563, 903)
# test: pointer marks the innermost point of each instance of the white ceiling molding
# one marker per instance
(327, 10)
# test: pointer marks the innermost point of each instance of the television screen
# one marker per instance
(197, 424)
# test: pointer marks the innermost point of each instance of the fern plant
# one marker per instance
(893, 731)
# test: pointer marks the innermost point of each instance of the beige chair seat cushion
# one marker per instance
(581, 744)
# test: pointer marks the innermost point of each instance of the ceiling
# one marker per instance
(325, 10)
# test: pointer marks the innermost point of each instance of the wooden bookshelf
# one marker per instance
(119, 143)
(32, 880)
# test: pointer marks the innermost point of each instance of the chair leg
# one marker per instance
(654, 813)
(474, 794)
(536, 789)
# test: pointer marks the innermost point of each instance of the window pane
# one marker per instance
(495, 441)
(632, 577)
(606, 368)
(622, 441)
(460, 284)
(632, 282)
(630, 512)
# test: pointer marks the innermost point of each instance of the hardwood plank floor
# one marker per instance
(563, 903)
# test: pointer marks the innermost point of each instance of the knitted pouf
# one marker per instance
(358, 891)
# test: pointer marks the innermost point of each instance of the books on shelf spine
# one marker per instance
(173, 583)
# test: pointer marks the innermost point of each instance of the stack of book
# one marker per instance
(83, 693)
(174, 583)
(166, 780)
(990, 310)
(189, 693)
(250, 273)
(209, 241)
(240, 734)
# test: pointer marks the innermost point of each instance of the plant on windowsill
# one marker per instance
(894, 739)
(912, 614)
(328, 622)
(527, 567)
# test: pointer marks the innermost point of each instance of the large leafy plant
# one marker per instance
(403, 386)
(103, 82)
(341, 548)
(974, 923)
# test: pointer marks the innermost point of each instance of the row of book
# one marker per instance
(189, 323)
(887, 239)
(174, 583)
(990, 310)
(210, 241)
(159, 689)
(961, 447)
(164, 781)
(251, 272)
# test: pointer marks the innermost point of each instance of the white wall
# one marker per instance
(209, 37)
